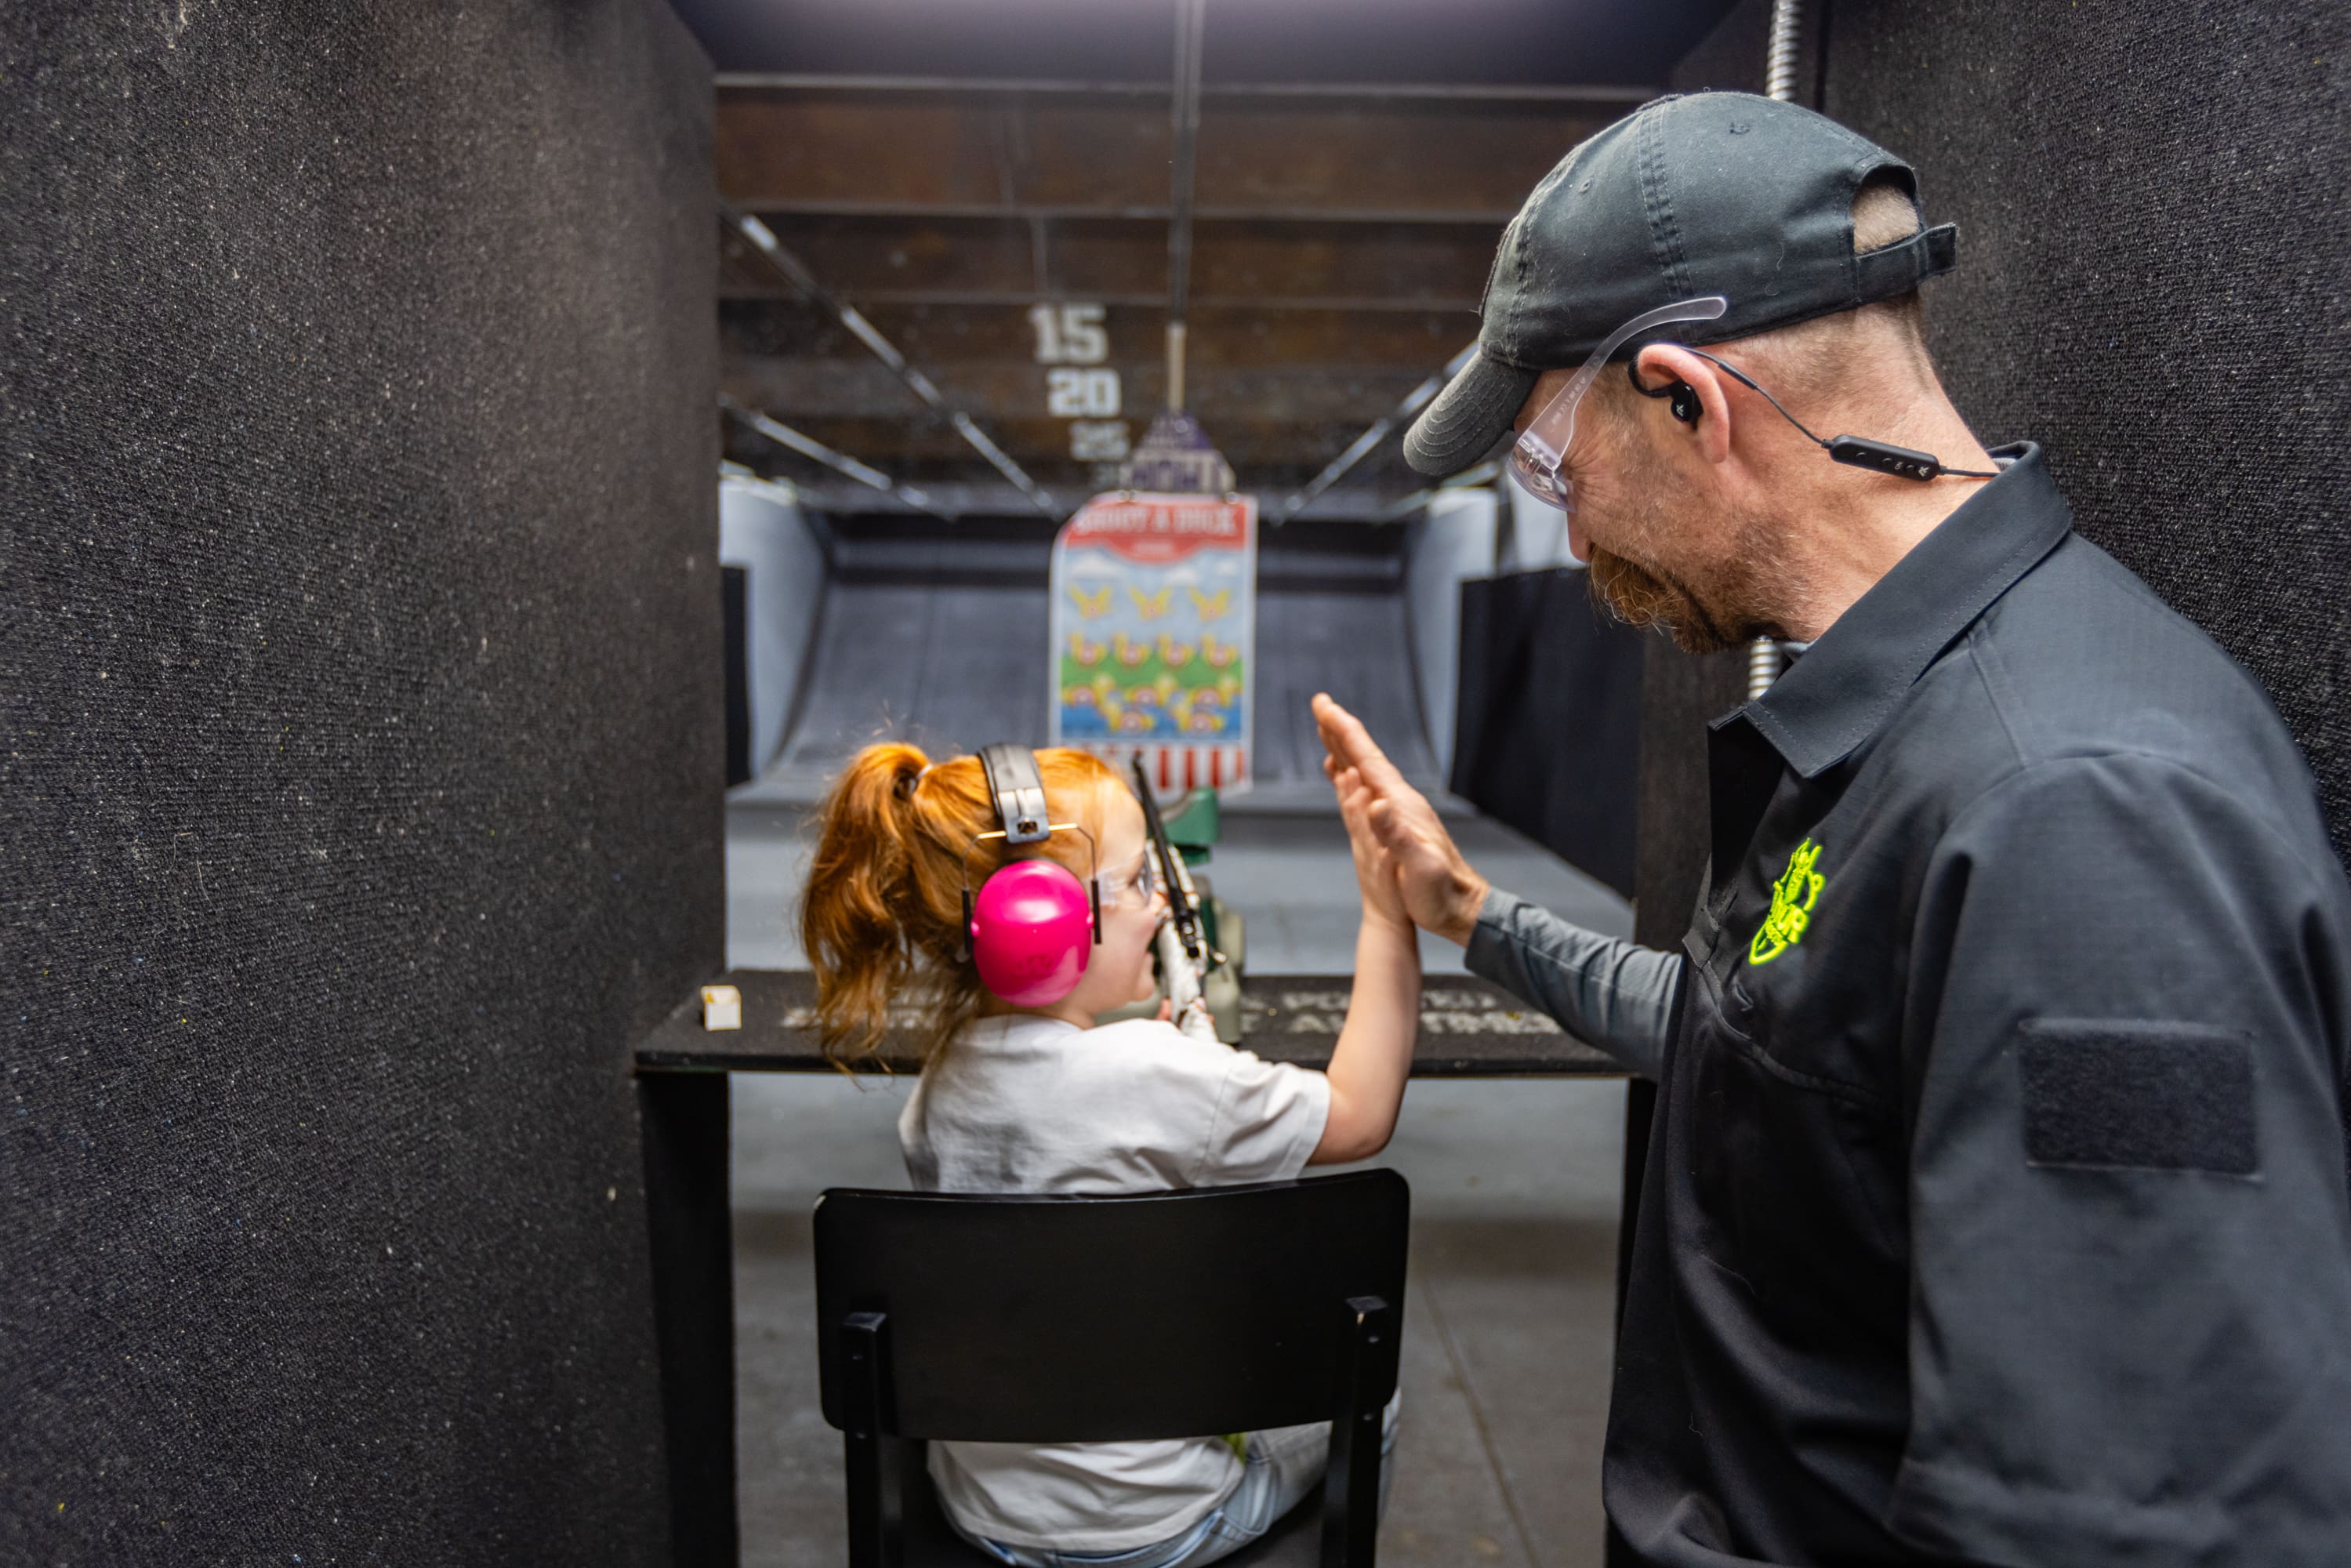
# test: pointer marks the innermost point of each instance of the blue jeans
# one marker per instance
(1283, 1464)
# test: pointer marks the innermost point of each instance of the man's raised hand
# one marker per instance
(1441, 891)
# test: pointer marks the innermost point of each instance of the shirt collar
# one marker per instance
(1850, 681)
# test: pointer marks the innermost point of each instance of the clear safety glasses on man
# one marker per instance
(1535, 460)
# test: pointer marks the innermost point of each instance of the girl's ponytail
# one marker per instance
(853, 916)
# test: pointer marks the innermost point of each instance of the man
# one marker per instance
(1996, 1206)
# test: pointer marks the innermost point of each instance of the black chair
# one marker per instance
(1069, 1320)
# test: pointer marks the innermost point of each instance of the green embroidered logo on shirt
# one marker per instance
(1791, 905)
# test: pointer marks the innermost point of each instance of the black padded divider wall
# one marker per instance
(359, 677)
(1548, 731)
(2153, 283)
(1680, 694)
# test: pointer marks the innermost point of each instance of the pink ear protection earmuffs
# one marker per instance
(1033, 924)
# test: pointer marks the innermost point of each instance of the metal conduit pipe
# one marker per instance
(1184, 129)
(1467, 479)
(1357, 449)
(1764, 658)
(1371, 92)
(763, 240)
(1779, 54)
(840, 463)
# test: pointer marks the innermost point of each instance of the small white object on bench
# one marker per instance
(722, 1007)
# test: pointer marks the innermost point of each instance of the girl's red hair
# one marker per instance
(880, 917)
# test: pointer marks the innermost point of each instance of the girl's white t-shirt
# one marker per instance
(1034, 1105)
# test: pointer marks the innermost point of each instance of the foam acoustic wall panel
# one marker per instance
(2153, 283)
(360, 687)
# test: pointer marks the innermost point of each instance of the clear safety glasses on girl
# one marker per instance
(1535, 460)
(1141, 879)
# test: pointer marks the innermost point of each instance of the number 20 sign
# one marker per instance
(1081, 394)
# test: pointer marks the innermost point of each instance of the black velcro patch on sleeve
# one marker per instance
(2138, 1094)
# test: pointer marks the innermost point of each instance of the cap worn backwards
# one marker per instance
(1715, 192)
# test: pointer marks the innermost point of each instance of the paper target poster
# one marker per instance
(1154, 634)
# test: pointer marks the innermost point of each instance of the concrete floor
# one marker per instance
(1515, 1191)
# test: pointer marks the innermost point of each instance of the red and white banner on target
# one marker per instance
(1173, 770)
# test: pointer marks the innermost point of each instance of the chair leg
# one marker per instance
(1350, 1477)
(860, 1454)
(872, 1540)
(684, 1116)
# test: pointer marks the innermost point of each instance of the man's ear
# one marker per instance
(1661, 365)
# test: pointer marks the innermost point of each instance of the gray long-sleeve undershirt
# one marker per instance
(1603, 991)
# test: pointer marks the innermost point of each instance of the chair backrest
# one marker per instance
(1041, 1320)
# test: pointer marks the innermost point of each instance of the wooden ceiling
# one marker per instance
(1341, 238)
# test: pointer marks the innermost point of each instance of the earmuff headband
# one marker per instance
(1019, 791)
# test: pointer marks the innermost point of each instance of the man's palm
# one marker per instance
(1441, 891)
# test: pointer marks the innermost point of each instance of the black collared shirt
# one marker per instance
(1996, 1206)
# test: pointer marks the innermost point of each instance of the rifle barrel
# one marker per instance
(1183, 907)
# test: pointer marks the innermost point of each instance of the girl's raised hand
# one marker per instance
(1375, 871)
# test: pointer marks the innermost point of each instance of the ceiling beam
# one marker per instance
(1272, 457)
(1240, 336)
(818, 388)
(1055, 87)
(967, 261)
(1424, 159)
(1027, 211)
(986, 498)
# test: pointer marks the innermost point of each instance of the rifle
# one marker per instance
(1185, 956)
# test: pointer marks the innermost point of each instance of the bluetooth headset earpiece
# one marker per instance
(1033, 924)
(1859, 451)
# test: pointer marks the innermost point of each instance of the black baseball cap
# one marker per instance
(1710, 192)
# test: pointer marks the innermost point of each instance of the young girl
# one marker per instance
(1039, 1100)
